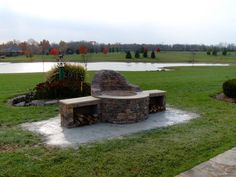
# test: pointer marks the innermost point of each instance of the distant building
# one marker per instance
(11, 51)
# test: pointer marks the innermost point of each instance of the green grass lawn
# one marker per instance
(161, 57)
(162, 152)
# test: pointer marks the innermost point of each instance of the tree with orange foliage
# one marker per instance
(105, 50)
(54, 52)
(158, 50)
(83, 50)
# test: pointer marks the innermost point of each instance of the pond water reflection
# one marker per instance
(95, 66)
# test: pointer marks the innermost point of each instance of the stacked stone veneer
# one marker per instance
(108, 80)
(113, 100)
(122, 110)
(121, 102)
(71, 108)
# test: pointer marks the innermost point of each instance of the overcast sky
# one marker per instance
(125, 21)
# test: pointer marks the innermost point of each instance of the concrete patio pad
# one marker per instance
(55, 135)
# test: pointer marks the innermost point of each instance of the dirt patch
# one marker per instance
(223, 97)
(9, 147)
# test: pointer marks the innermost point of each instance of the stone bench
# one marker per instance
(157, 100)
(71, 108)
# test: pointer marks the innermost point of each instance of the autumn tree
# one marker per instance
(83, 49)
(45, 46)
(105, 51)
(33, 46)
(23, 46)
(54, 52)
(63, 46)
(158, 50)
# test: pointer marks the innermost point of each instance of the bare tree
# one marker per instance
(63, 46)
(45, 46)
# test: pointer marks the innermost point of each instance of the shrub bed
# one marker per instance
(229, 88)
(61, 89)
(69, 87)
(72, 72)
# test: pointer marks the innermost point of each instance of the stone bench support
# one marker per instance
(68, 107)
(157, 100)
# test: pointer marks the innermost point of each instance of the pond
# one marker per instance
(34, 67)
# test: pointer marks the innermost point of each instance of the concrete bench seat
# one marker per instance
(81, 101)
(154, 93)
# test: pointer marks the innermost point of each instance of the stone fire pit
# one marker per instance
(112, 100)
(121, 102)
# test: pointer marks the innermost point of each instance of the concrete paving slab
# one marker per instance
(55, 135)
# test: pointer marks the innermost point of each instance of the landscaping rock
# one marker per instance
(223, 97)
(51, 102)
(28, 100)
(20, 104)
(37, 103)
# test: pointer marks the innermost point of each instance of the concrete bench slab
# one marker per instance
(82, 101)
(155, 93)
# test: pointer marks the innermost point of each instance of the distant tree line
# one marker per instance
(32, 46)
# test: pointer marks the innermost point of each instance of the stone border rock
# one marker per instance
(223, 97)
(28, 100)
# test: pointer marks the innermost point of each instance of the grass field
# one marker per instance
(161, 57)
(162, 152)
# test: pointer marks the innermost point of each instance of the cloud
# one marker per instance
(126, 21)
